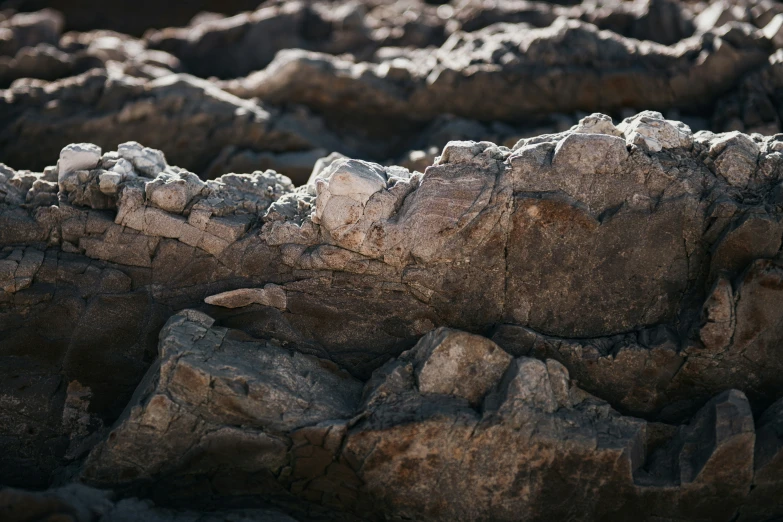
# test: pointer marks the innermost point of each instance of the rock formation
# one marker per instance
(366, 261)
(630, 268)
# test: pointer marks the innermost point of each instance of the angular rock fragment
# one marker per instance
(457, 363)
(210, 393)
(79, 156)
(270, 295)
(649, 130)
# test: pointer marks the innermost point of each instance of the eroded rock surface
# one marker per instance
(219, 293)
(219, 405)
(639, 259)
(190, 119)
(370, 79)
(588, 68)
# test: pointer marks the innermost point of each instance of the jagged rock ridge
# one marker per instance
(629, 268)
(373, 80)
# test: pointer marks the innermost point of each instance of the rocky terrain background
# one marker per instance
(341, 260)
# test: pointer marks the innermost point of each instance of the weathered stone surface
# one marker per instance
(270, 295)
(517, 442)
(326, 349)
(508, 63)
(188, 118)
(639, 259)
(410, 446)
(456, 363)
(205, 381)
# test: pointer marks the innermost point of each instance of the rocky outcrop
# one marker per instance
(375, 79)
(641, 257)
(342, 261)
(454, 429)
(189, 118)
(201, 376)
(588, 68)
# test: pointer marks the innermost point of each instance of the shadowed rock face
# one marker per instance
(588, 68)
(335, 260)
(629, 276)
(414, 445)
(196, 122)
(390, 82)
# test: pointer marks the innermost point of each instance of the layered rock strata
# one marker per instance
(454, 429)
(629, 276)
(370, 79)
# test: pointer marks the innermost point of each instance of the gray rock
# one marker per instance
(147, 161)
(572, 53)
(457, 363)
(650, 130)
(111, 109)
(77, 156)
(609, 264)
(173, 192)
(209, 393)
(207, 398)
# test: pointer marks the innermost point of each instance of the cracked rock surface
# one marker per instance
(342, 261)
(378, 81)
(605, 299)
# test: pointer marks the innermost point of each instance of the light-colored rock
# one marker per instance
(109, 182)
(720, 13)
(124, 168)
(590, 152)
(173, 192)
(270, 295)
(73, 158)
(322, 164)
(147, 161)
(774, 31)
(736, 157)
(596, 123)
(651, 131)
(210, 393)
(342, 191)
(458, 363)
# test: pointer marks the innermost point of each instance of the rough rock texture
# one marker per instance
(371, 79)
(588, 68)
(100, 108)
(341, 260)
(204, 418)
(641, 260)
